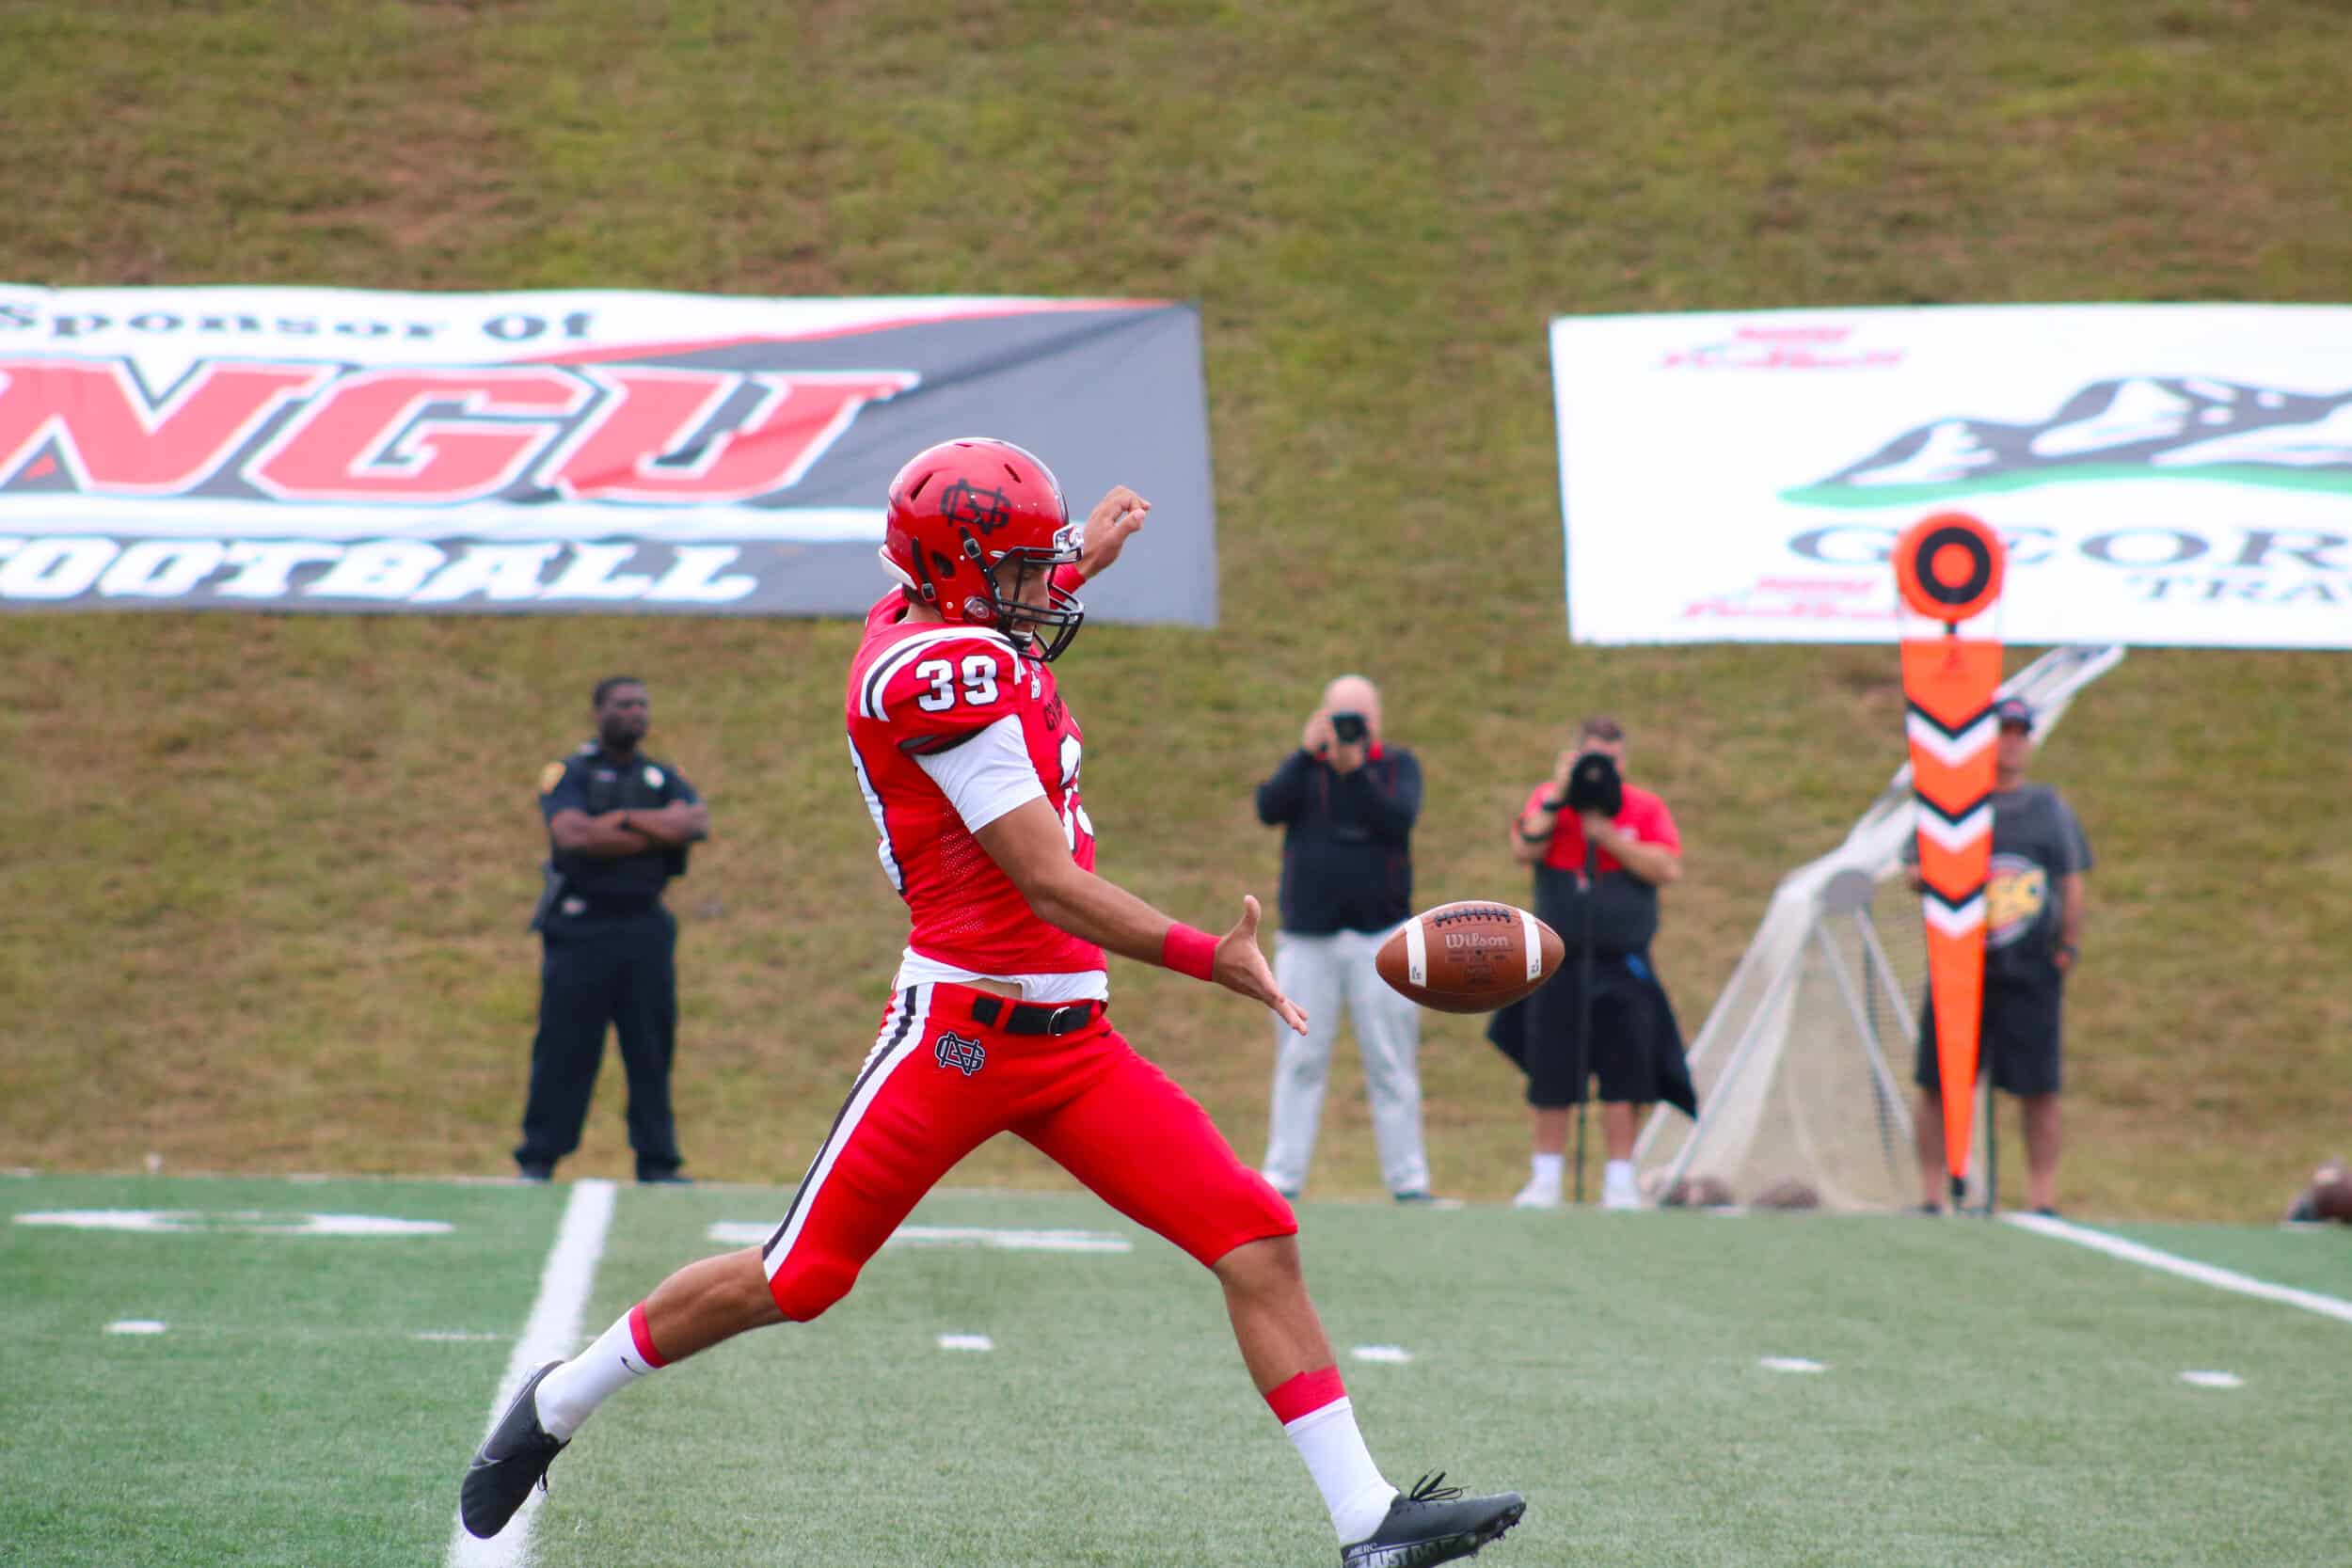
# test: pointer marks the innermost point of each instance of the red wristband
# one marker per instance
(1069, 576)
(1189, 950)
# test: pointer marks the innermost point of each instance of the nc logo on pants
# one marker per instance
(965, 1056)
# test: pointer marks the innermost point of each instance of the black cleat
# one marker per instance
(510, 1461)
(1433, 1524)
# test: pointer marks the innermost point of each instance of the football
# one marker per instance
(1468, 957)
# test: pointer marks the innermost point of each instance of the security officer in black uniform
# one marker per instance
(619, 823)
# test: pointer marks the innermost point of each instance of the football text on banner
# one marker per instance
(1948, 570)
(2162, 474)
(514, 454)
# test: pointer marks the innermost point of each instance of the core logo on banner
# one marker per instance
(335, 450)
(1948, 570)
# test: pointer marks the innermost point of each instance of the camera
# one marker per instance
(1595, 785)
(1349, 729)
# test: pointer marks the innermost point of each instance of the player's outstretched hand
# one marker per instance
(1108, 527)
(1240, 967)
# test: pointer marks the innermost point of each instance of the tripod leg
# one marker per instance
(1584, 1079)
(1579, 1151)
(1992, 1147)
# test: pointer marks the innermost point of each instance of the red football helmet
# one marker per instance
(970, 520)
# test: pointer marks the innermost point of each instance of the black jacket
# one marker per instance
(1348, 861)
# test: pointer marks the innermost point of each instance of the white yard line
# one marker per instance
(2204, 1274)
(551, 1333)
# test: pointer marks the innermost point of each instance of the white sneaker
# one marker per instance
(1537, 1195)
(1619, 1189)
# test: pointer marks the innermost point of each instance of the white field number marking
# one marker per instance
(239, 1221)
(2213, 1380)
(738, 1233)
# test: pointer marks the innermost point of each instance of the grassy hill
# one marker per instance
(266, 876)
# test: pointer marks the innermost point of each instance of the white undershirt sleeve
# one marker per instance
(988, 775)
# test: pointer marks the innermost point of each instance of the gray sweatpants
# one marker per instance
(1320, 973)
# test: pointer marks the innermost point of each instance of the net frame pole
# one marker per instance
(1880, 1071)
(1585, 1009)
(1896, 1001)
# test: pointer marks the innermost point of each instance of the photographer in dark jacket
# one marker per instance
(1634, 1045)
(1346, 804)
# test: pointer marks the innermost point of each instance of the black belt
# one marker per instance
(1030, 1018)
(622, 904)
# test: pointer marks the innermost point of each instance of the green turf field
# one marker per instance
(1988, 1396)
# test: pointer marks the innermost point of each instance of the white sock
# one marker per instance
(1354, 1491)
(1547, 1167)
(619, 1357)
(1618, 1172)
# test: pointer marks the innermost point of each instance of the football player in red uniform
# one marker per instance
(969, 760)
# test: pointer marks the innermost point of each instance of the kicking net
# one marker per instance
(1804, 1066)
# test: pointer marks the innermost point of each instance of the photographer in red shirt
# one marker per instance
(1606, 900)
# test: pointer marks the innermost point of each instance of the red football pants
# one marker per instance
(939, 1083)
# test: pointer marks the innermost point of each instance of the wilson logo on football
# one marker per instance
(303, 432)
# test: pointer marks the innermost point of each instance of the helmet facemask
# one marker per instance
(1016, 574)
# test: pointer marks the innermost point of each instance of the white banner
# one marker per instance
(2161, 473)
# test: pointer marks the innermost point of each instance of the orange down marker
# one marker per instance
(1949, 568)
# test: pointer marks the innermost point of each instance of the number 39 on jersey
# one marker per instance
(975, 683)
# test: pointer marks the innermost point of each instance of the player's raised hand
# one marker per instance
(1239, 966)
(1109, 526)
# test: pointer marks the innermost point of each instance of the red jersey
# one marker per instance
(920, 688)
(1644, 818)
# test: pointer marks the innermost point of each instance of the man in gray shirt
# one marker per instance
(2033, 926)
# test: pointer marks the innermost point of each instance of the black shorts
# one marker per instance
(1618, 1057)
(1635, 1048)
(2020, 1034)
